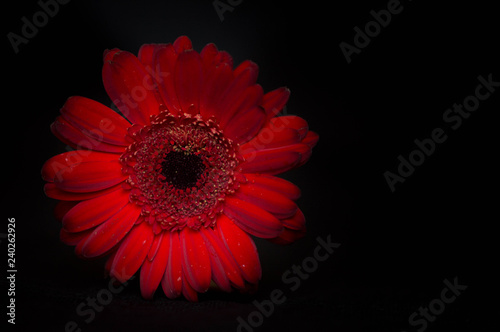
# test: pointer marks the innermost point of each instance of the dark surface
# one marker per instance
(396, 248)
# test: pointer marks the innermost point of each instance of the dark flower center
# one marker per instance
(181, 169)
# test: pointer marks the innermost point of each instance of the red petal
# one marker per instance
(311, 139)
(188, 291)
(172, 279)
(224, 57)
(288, 236)
(130, 87)
(224, 267)
(147, 53)
(245, 125)
(241, 247)
(132, 252)
(155, 246)
(109, 54)
(93, 212)
(152, 271)
(187, 80)
(245, 65)
(215, 83)
(289, 121)
(305, 156)
(250, 98)
(287, 136)
(271, 201)
(195, 259)
(208, 55)
(96, 120)
(274, 161)
(109, 233)
(274, 101)
(278, 132)
(72, 239)
(52, 191)
(62, 161)
(90, 176)
(75, 138)
(182, 43)
(165, 65)
(252, 219)
(234, 92)
(267, 138)
(282, 186)
(297, 222)
(218, 273)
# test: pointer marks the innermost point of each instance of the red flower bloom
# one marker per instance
(175, 186)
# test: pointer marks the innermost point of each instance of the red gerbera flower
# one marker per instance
(176, 185)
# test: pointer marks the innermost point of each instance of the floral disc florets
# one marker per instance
(180, 168)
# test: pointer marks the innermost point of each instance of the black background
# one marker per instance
(396, 248)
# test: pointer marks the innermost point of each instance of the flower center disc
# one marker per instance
(180, 169)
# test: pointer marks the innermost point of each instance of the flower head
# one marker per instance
(175, 182)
